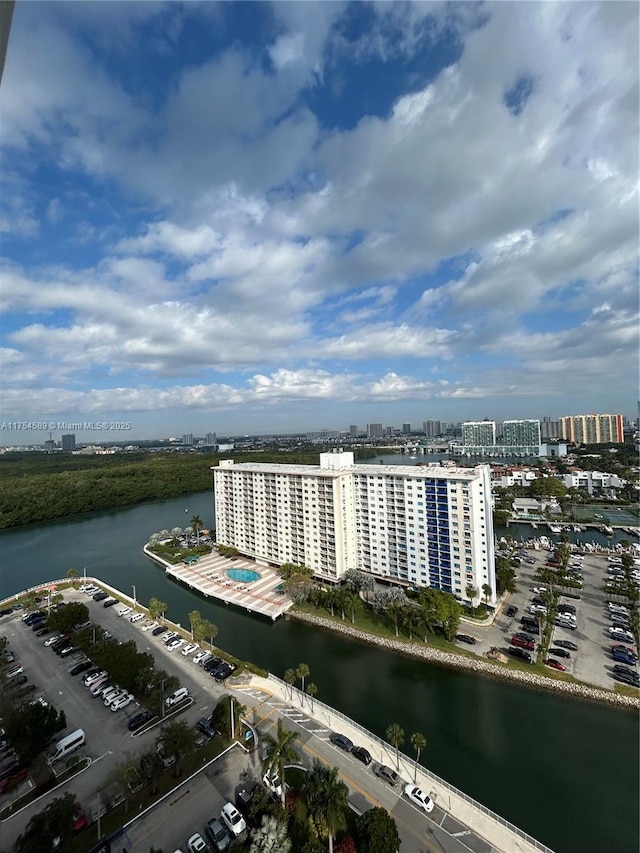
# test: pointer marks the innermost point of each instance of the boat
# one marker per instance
(534, 525)
(555, 528)
(608, 531)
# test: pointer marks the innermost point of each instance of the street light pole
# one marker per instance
(135, 602)
(162, 688)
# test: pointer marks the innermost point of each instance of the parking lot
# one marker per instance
(592, 663)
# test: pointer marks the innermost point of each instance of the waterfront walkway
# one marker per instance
(456, 815)
(210, 575)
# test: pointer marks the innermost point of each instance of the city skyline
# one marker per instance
(271, 218)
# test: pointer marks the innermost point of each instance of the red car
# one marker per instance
(522, 642)
(555, 664)
(11, 780)
(79, 818)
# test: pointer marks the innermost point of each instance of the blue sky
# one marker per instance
(252, 217)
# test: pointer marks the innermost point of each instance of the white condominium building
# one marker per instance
(422, 526)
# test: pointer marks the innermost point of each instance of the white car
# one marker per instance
(91, 679)
(233, 820)
(52, 639)
(171, 635)
(538, 608)
(273, 783)
(121, 702)
(538, 590)
(150, 626)
(418, 798)
(137, 617)
(123, 611)
(109, 692)
(174, 644)
(190, 649)
(620, 634)
(110, 696)
(197, 844)
(200, 656)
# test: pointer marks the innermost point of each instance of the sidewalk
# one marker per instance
(496, 833)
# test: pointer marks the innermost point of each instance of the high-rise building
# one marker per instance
(550, 428)
(521, 433)
(478, 433)
(406, 429)
(211, 439)
(187, 439)
(69, 442)
(353, 431)
(432, 429)
(592, 429)
(374, 430)
(420, 526)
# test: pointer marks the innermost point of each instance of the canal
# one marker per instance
(564, 771)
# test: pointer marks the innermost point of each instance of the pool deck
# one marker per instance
(208, 576)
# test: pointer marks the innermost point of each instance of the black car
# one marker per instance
(110, 602)
(33, 617)
(60, 644)
(7, 611)
(224, 670)
(83, 666)
(42, 632)
(212, 664)
(511, 610)
(341, 741)
(619, 668)
(206, 728)
(100, 596)
(243, 804)
(159, 630)
(559, 653)
(37, 624)
(631, 678)
(139, 719)
(515, 652)
(361, 754)
(465, 638)
(566, 644)
(566, 608)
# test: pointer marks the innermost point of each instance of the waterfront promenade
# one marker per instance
(213, 576)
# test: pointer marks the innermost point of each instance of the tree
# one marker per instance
(297, 587)
(279, 750)
(157, 608)
(221, 717)
(418, 742)
(311, 691)
(195, 620)
(31, 727)
(326, 797)
(472, 593)
(72, 574)
(410, 618)
(196, 524)
(377, 832)
(209, 630)
(178, 739)
(290, 677)
(395, 736)
(302, 672)
(66, 618)
(288, 570)
(270, 837)
(487, 591)
(547, 487)
(54, 822)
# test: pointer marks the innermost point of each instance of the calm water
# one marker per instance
(565, 771)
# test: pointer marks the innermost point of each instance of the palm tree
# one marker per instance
(312, 689)
(472, 592)
(195, 619)
(271, 837)
(290, 677)
(156, 608)
(487, 591)
(410, 618)
(395, 736)
(280, 751)
(395, 606)
(196, 524)
(72, 574)
(178, 739)
(302, 672)
(326, 797)
(418, 742)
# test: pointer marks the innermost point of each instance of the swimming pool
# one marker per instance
(243, 575)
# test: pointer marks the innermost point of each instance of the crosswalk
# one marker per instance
(295, 715)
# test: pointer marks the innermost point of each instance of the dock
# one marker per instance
(209, 576)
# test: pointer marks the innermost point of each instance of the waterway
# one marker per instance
(565, 771)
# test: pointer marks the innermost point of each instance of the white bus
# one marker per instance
(66, 745)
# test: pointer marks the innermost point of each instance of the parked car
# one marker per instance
(42, 632)
(212, 664)
(418, 797)
(177, 696)
(206, 727)
(80, 820)
(91, 678)
(199, 656)
(197, 844)
(621, 634)
(626, 649)
(566, 608)
(52, 639)
(538, 590)
(204, 660)
(233, 820)
(272, 781)
(566, 644)
(538, 608)
(217, 835)
(559, 653)
(623, 657)
(341, 741)
(168, 638)
(136, 617)
(150, 626)
(121, 702)
(511, 611)
(223, 671)
(630, 678)
(174, 644)
(100, 596)
(555, 664)
(519, 653)
(386, 773)
(189, 649)
(522, 642)
(466, 638)
(66, 651)
(159, 630)
(83, 666)
(361, 754)
(138, 720)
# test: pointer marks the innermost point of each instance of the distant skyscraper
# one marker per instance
(550, 428)
(478, 433)
(432, 428)
(521, 433)
(406, 429)
(592, 429)
(211, 439)
(69, 442)
(374, 430)
(353, 430)
(187, 439)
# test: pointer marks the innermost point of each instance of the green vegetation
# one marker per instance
(50, 829)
